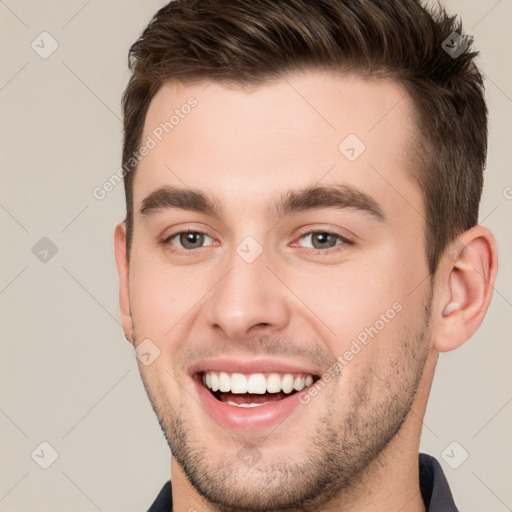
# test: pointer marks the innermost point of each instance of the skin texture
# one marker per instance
(354, 446)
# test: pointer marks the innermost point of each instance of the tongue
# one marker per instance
(250, 398)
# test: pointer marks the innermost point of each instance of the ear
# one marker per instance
(124, 284)
(466, 276)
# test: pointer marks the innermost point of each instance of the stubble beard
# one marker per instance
(326, 466)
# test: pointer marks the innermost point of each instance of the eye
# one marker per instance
(188, 240)
(323, 240)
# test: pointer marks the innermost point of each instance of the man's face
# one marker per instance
(280, 284)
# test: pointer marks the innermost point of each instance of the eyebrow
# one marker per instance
(293, 201)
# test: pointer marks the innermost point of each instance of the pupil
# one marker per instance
(191, 239)
(322, 238)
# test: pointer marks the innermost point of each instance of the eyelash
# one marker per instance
(317, 252)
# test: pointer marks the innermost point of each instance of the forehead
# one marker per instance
(243, 144)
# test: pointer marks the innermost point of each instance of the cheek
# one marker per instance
(162, 296)
(347, 299)
(357, 303)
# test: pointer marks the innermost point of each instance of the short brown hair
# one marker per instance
(253, 41)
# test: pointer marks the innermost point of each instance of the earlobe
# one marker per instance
(467, 272)
(124, 284)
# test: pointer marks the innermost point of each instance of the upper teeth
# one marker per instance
(256, 382)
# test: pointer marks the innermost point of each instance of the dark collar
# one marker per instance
(435, 490)
(433, 484)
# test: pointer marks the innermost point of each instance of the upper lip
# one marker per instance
(249, 366)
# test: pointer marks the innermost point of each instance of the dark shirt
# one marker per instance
(433, 484)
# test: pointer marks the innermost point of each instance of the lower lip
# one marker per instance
(248, 419)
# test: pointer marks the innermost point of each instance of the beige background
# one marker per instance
(67, 376)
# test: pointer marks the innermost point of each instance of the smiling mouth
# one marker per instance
(255, 389)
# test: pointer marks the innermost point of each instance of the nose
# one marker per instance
(248, 299)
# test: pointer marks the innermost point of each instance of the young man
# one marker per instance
(301, 242)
